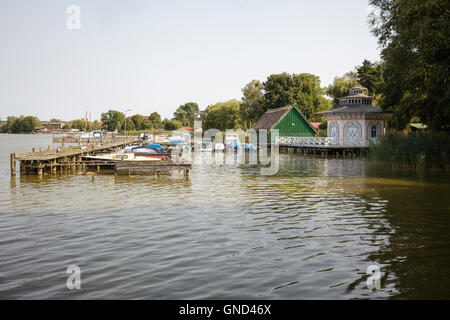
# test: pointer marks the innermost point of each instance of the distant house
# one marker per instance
(52, 125)
(289, 121)
(187, 129)
(316, 125)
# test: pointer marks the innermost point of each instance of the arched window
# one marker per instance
(373, 131)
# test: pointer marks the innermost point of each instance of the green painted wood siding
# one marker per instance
(293, 124)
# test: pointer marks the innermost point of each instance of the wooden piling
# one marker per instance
(13, 164)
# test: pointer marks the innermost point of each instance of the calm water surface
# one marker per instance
(308, 232)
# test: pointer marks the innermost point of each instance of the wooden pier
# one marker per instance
(50, 160)
(156, 167)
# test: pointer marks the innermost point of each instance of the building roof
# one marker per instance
(272, 117)
(358, 95)
(354, 108)
(186, 128)
(358, 87)
(315, 125)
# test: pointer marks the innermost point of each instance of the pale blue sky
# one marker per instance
(156, 55)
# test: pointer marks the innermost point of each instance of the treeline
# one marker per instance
(184, 115)
(278, 90)
(22, 124)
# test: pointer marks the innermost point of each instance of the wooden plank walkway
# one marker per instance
(64, 157)
(39, 162)
(129, 167)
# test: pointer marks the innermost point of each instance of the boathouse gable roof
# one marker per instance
(271, 118)
(284, 118)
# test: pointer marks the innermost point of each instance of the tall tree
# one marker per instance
(171, 124)
(113, 120)
(7, 127)
(370, 76)
(187, 113)
(155, 119)
(302, 90)
(137, 121)
(223, 116)
(129, 125)
(252, 103)
(415, 37)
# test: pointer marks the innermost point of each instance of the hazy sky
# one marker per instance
(156, 55)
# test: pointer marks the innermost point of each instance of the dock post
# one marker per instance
(13, 164)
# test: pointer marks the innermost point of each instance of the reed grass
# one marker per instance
(418, 150)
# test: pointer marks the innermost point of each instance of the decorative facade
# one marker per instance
(355, 121)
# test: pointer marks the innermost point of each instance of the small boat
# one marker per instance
(250, 147)
(219, 147)
(207, 146)
(234, 145)
(124, 157)
(149, 151)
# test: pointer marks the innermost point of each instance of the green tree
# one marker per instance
(252, 106)
(7, 127)
(172, 124)
(24, 124)
(155, 119)
(370, 76)
(415, 40)
(223, 116)
(95, 125)
(146, 124)
(137, 121)
(113, 120)
(187, 113)
(130, 125)
(339, 87)
(78, 124)
(302, 90)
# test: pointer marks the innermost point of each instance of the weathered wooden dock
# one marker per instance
(156, 167)
(50, 160)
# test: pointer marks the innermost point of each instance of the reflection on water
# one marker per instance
(310, 231)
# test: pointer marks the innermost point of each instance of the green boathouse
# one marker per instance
(289, 121)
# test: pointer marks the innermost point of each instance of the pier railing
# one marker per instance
(324, 142)
(80, 139)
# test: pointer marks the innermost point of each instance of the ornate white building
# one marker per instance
(355, 121)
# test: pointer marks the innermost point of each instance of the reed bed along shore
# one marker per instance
(418, 150)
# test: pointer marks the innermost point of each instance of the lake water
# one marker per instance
(308, 232)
